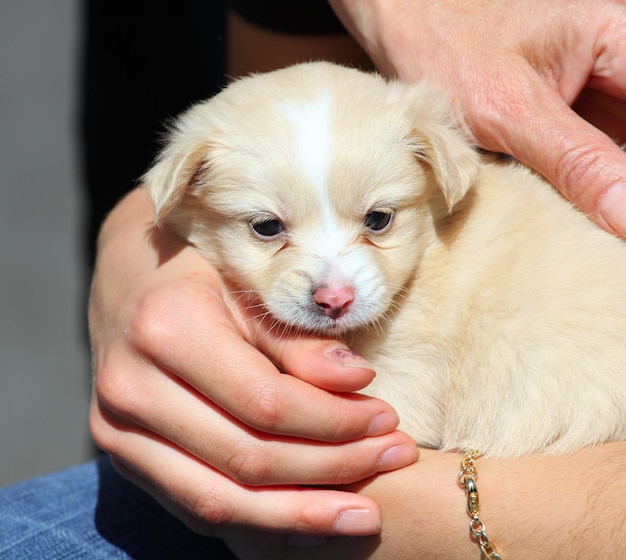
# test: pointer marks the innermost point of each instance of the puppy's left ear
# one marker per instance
(175, 171)
(438, 141)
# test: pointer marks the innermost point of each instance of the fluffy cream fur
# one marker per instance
(492, 310)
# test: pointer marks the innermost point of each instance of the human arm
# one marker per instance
(544, 506)
(513, 69)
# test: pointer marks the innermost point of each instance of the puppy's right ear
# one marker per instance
(439, 141)
(176, 170)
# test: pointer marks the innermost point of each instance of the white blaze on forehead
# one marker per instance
(311, 122)
(311, 125)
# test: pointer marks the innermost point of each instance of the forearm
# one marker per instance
(544, 506)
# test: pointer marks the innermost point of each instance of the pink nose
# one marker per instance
(334, 301)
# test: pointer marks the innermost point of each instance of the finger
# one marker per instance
(200, 343)
(587, 166)
(323, 362)
(578, 159)
(210, 503)
(243, 454)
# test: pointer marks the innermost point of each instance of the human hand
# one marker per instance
(514, 69)
(192, 412)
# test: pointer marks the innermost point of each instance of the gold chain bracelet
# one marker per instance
(467, 480)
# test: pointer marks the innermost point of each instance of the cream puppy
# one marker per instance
(493, 312)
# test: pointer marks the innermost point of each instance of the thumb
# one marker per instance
(582, 162)
(325, 363)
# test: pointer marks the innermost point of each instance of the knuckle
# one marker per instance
(107, 385)
(343, 421)
(104, 431)
(577, 168)
(211, 505)
(117, 390)
(312, 518)
(250, 465)
(152, 323)
(351, 470)
(265, 406)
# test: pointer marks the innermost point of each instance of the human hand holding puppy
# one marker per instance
(514, 69)
(185, 405)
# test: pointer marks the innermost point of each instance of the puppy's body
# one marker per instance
(515, 324)
(492, 311)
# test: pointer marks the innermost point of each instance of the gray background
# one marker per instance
(44, 372)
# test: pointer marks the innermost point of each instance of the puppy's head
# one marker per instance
(317, 188)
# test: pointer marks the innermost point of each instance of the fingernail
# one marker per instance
(382, 423)
(613, 208)
(356, 522)
(397, 457)
(348, 358)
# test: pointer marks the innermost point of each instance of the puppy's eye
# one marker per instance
(267, 228)
(377, 220)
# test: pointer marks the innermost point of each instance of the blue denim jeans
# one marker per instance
(91, 512)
